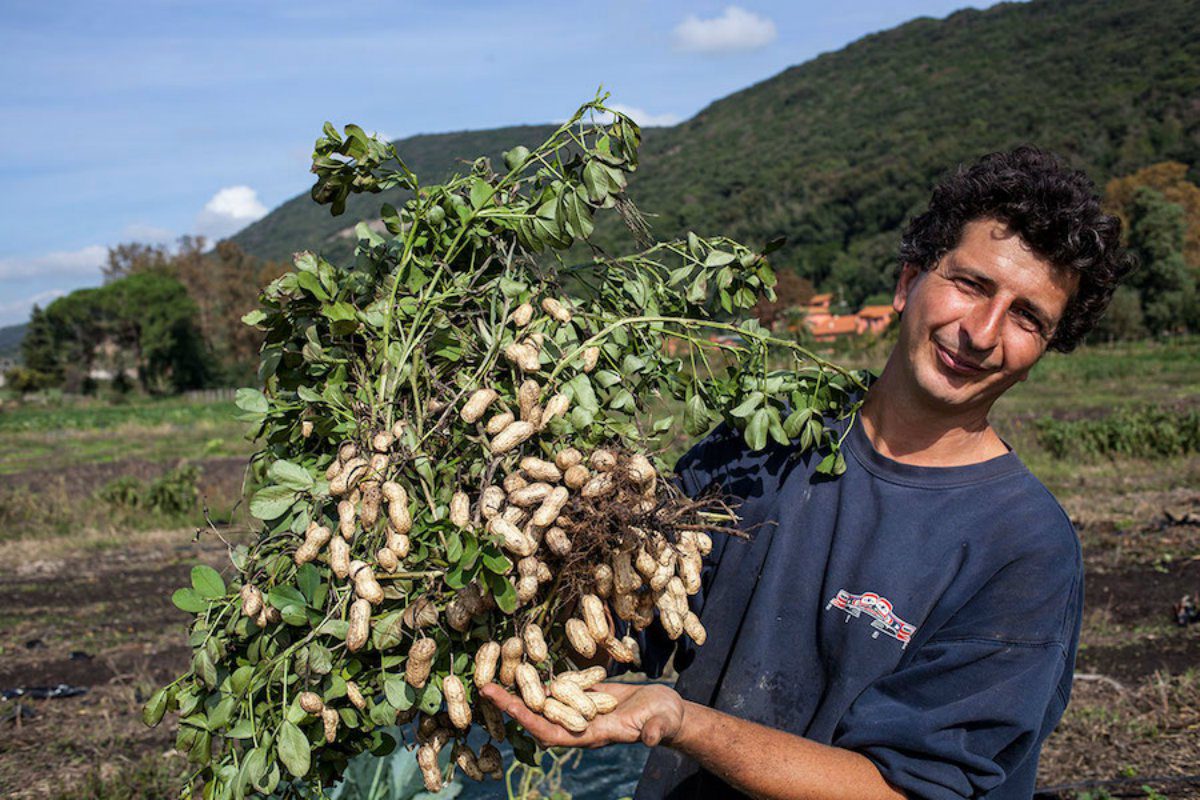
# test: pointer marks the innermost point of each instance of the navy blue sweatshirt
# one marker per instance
(925, 617)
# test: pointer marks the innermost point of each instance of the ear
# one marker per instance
(909, 274)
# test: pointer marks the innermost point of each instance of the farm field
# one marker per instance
(97, 530)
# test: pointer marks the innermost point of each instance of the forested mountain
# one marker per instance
(10, 340)
(838, 152)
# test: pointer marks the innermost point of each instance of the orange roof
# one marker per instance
(834, 325)
(821, 299)
(876, 311)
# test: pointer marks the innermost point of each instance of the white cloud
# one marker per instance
(83, 262)
(229, 210)
(736, 29)
(645, 118)
(17, 311)
(146, 234)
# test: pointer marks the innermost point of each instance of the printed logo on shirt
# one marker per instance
(879, 609)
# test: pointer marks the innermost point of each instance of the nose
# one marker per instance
(981, 327)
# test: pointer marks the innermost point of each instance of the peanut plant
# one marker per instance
(459, 435)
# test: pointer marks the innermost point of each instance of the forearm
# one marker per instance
(768, 763)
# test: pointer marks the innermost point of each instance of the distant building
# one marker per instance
(832, 326)
(875, 319)
(826, 327)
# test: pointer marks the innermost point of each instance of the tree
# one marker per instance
(37, 348)
(1170, 179)
(224, 284)
(134, 257)
(1123, 319)
(143, 322)
(1166, 285)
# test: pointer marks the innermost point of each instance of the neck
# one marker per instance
(908, 429)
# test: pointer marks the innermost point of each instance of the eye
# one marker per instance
(1029, 320)
(968, 284)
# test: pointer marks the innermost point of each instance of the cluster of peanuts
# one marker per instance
(568, 699)
(527, 515)
(359, 480)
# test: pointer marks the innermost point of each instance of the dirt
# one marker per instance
(101, 621)
(220, 477)
(98, 616)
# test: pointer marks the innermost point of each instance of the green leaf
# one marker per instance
(293, 476)
(310, 283)
(480, 191)
(453, 548)
(748, 406)
(320, 660)
(240, 678)
(203, 665)
(400, 693)
(827, 464)
(580, 388)
(271, 502)
(623, 401)
(387, 631)
(775, 428)
(251, 401)
(695, 416)
(308, 578)
(156, 706)
(207, 582)
(337, 628)
(496, 563)
(219, 716)
(524, 748)
(774, 244)
(693, 243)
(254, 318)
(718, 258)
(283, 596)
(382, 713)
(605, 378)
(189, 600)
(339, 312)
(431, 697)
(744, 297)
(756, 430)
(504, 593)
(293, 749)
(242, 729)
(796, 421)
(294, 615)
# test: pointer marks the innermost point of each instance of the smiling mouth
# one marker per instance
(956, 364)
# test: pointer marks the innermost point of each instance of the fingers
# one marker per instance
(621, 691)
(546, 732)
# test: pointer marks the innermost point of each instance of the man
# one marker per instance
(908, 629)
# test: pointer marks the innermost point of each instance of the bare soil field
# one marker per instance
(94, 613)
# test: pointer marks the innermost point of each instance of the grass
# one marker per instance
(64, 435)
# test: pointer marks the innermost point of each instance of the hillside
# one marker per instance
(10, 341)
(838, 152)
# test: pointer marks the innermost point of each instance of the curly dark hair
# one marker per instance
(1055, 211)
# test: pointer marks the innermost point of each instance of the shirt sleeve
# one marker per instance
(960, 718)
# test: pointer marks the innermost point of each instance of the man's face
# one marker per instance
(975, 324)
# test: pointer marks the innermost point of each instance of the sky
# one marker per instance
(145, 121)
